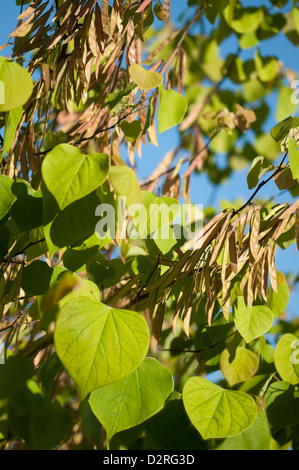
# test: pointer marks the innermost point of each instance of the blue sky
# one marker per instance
(201, 189)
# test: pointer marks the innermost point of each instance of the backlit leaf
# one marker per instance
(240, 367)
(172, 109)
(244, 20)
(257, 170)
(216, 412)
(286, 358)
(252, 322)
(16, 85)
(282, 129)
(125, 183)
(134, 399)
(99, 345)
(144, 79)
(257, 437)
(70, 175)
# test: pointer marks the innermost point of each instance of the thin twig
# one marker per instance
(186, 31)
(21, 252)
(261, 185)
(199, 351)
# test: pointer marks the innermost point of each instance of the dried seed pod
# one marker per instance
(254, 236)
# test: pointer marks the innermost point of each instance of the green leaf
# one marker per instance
(216, 412)
(248, 40)
(90, 423)
(256, 384)
(49, 425)
(134, 399)
(118, 100)
(99, 345)
(49, 371)
(27, 211)
(70, 175)
(240, 367)
(170, 428)
(158, 10)
(85, 288)
(282, 405)
(62, 283)
(257, 437)
(75, 258)
(7, 197)
(281, 130)
(132, 130)
(75, 223)
(296, 18)
(156, 212)
(12, 120)
(252, 322)
(257, 170)
(165, 239)
(212, 10)
(244, 20)
(172, 109)
(285, 107)
(278, 301)
(286, 358)
(36, 278)
(144, 79)
(16, 85)
(267, 67)
(294, 158)
(125, 183)
(14, 374)
(254, 90)
(284, 179)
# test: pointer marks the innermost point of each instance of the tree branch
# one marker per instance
(22, 252)
(261, 185)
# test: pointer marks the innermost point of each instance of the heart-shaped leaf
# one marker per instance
(257, 437)
(172, 109)
(131, 130)
(286, 358)
(70, 175)
(145, 79)
(156, 212)
(125, 183)
(134, 399)
(257, 170)
(252, 322)
(99, 345)
(241, 367)
(16, 85)
(243, 20)
(282, 129)
(216, 412)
